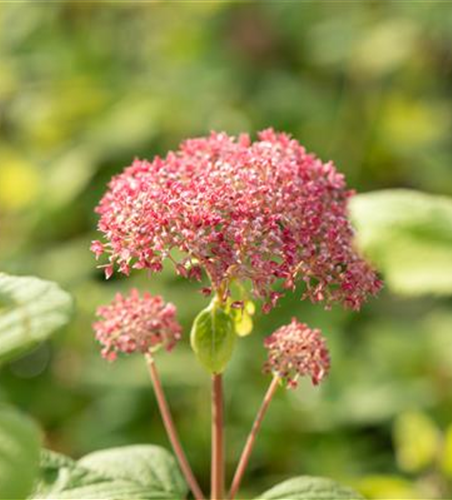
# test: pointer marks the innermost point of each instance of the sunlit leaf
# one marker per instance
(243, 318)
(408, 234)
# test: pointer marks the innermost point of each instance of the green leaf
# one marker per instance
(310, 488)
(19, 454)
(213, 337)
(408, 235)
(30, 310)
(143, 472)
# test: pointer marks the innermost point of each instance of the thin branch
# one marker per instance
(217, 465)
(171, 430)
(246, 453)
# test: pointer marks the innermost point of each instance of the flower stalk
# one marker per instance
(171, 430)
(248, 448)
(217, 463)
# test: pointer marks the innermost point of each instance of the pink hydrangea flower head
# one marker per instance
(264, 212)
(133, 323)
(294, 351)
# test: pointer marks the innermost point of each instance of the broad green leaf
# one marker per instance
(143, 472)
(408, 235)
(30, 310)
(213, 337)
(417, 441)
(310, 488)
(19, 454)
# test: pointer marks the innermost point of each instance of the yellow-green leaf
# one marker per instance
(242, 317)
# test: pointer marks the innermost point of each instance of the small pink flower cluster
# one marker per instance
(295, 350)
(263, 211)
(132, 323)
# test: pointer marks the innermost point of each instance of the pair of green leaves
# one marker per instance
(143, 472)
(149, 472)
(138, 472)
(214, 333)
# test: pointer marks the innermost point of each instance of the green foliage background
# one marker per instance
(85, 87)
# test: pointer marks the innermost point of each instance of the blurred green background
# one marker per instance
(86, 87)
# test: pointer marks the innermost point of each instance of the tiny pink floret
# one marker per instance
(266, 212)
(294, 351)
(97, 248)
(136, 324)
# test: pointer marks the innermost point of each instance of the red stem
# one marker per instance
(217, 470)
(171, 430)
(246, 453)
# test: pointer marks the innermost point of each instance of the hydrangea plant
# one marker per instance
(256, 219)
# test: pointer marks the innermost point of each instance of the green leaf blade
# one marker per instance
(19, 454)
(30, 310)
(310, 488)
(149, 466)
(142, 472)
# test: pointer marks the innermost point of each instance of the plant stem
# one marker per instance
(217, 465)
(246, 453)
(171, 430)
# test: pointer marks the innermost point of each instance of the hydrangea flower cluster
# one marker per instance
(294, 351)
(266, 212)
(130, 324)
